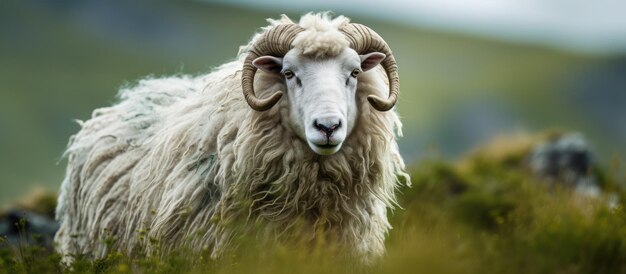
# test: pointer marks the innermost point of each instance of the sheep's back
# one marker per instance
(101, 157)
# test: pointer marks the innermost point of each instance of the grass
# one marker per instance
(482, 214)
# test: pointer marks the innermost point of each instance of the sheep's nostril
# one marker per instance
(326, 129)
(335, 126)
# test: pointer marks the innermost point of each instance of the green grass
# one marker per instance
(483, 214)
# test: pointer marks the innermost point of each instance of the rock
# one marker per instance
(565, 159)
(25, 227)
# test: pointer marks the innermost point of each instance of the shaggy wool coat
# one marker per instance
(185, 162)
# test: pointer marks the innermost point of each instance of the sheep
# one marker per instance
(185, 161)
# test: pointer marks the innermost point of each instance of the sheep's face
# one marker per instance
(321, 94)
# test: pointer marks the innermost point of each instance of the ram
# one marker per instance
(308, 153)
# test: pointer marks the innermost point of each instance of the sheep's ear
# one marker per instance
(269, 64)
(370, 60)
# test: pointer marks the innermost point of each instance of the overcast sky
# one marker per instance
(593, 26)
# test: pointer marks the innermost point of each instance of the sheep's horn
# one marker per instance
(364, 40)
(275, 42)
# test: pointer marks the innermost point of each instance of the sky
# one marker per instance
(586, 26)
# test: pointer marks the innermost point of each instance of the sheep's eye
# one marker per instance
(355, 73)
(288, 74)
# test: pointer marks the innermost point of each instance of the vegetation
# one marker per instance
(483, 214)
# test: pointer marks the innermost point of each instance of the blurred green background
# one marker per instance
(59, 60)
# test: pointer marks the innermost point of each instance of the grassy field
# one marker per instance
(477, 212)
(485, 213)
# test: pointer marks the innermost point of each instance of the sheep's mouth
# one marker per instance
(325, 149)
(327, 146)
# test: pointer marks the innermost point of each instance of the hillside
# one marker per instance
(485, 213)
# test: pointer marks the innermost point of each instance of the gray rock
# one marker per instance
(24, 227)
(567, 160)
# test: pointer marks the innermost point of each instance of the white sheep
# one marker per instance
(185, 161)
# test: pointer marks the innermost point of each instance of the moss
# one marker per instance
(482, 210)
(507, 220)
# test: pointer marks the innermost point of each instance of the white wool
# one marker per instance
(321, 36)
(184, 162)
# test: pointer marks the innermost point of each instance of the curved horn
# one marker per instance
(364, 40)
(275, 42)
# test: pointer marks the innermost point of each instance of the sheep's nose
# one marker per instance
(327, 126)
